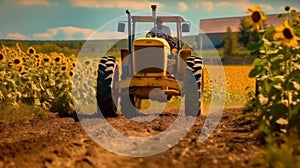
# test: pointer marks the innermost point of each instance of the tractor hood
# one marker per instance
(151, 42)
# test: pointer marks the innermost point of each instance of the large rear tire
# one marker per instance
(194, 96)
(107, 74)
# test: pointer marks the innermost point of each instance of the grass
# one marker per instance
(282, 151)
(18, 112)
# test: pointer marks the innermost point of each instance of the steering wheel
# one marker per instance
(171, 40)
(158, 33)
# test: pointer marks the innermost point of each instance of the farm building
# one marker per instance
(215, 29)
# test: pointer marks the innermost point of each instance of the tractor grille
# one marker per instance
(149, 59)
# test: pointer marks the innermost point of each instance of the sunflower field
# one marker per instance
(63, 84)
(36, 79)
(55, 82)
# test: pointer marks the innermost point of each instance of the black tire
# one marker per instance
(107, 74)
(194, 96)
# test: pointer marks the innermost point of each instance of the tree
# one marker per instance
(244, 32)
(230, 43)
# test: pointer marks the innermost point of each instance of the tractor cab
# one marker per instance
(154, 47)
(177, 22)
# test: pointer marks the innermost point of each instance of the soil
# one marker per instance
(62, 142)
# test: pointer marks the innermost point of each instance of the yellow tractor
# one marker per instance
(150, 62)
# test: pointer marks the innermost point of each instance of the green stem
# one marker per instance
(287, 71)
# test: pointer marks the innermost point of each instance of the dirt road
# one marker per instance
(62, 142)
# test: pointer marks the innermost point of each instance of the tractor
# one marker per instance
(150, 63)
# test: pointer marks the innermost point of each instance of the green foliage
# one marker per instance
(277, 102)
(248, 37)
(243, 52)
(19, 111)
(244, 32)
(283, 152)
(279, 86)
(278, 76)
(65, 47)
(230, 43)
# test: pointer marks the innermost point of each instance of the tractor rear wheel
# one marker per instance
(194, 96)
(107, 74)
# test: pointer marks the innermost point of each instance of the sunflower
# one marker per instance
(256, 17)
(21, 69)
(9, 64)
(72, 58)
(298, 18)
(87, 62)
(18, 61)
(30, 50)
(286, 35)
(18, 49)
(57, 59)
(37, 62)
(46, 59)
(71, 73)
(2, 56)
(287, 8)
(3, 50)
(64, 67)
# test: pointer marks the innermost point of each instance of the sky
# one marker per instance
(86, 19)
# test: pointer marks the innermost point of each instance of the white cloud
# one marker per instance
(17, 36)
(67, 31)
(72, 33)
(224, 4)
(107, 35)
(132, 4)
(208, 5)
(238, 4)
(182, 6)
(243, 5)
(29, 2)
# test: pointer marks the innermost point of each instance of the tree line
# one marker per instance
(237, 43)
(66, 47)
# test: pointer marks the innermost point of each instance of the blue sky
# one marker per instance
(79, 19)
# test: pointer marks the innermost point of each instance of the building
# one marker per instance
(215, 29)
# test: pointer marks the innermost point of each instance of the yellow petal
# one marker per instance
(286, 23)
(279, 28)
(254, 8)
(278, 36)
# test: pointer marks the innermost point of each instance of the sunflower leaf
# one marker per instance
(281, 15)
(258, 70)
(254, 46)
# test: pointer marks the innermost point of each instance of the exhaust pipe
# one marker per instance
(153, 7)
(129, 33)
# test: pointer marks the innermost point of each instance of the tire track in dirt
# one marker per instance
(61, 142)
